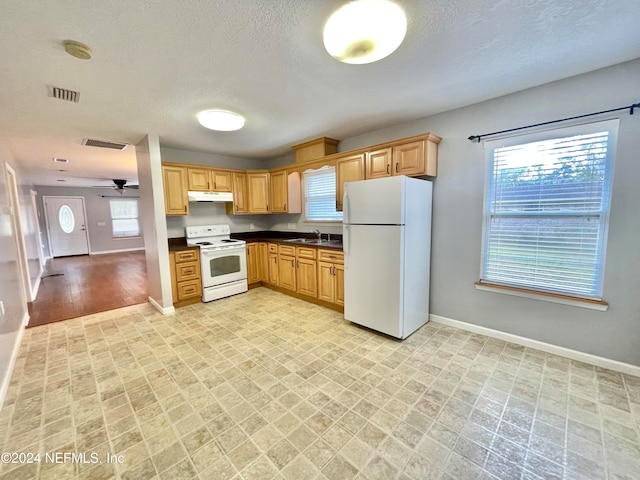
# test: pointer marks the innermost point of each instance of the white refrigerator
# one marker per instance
(387, 253)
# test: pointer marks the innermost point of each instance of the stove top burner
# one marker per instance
(204, 243)
(229, 241)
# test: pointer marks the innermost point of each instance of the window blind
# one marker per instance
(546, 213)
(320, 195)
(124, 218)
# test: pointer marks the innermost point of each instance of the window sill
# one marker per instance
(599, 305)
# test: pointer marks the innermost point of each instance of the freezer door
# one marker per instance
(374, 202)
(373, 280)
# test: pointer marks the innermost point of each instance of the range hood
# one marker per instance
(210, 196)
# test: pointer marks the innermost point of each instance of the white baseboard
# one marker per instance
(4, 385)
(161, 309)
(545, 347)
(102, 252)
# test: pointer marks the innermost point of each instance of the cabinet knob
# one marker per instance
(396, 168)
(388, 168)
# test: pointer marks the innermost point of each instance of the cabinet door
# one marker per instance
(175, 190)
(263, 259)
(348, 169)
(307, 277)
(378, 164)
(174, 282)
(258, 186)
(221, 181)
(287, 272)
(338, 276)
(326, 282)
(409, 159)
(239, 205)
(278, 181)
(199, 179)
(253, 263)
(273, 269)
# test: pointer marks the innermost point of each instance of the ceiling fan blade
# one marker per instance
(135, 187)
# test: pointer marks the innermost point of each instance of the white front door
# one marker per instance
(66, 226)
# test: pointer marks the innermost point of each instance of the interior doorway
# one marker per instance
(66, 225)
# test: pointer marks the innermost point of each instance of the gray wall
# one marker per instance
(457, 215)
(15, 305)
(97, 206)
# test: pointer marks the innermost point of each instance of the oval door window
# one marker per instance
(66, 219)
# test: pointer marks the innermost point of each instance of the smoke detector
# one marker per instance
(77, 49)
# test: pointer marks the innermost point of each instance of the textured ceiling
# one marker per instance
(157, 63)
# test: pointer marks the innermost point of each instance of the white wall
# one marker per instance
(11, 323)
(457, 215)
(98, 211)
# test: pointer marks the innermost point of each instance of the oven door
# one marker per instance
(223, 266)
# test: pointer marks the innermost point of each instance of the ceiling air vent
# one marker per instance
(64, 94)
(104, 144)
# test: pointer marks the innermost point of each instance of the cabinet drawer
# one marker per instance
(306, 252)
(334, 256)
(187, 255)
(287, 250)
(189, 289)
(187, 271)
(273, 248)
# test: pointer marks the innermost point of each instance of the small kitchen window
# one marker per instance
(124, 218)
(546, 211)
(320, 195)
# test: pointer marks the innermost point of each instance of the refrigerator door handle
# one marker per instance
(345, 205)
(345, 243)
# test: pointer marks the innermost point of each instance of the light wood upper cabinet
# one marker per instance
(378, 163)
(175, 190)
(209, 180)
(221, 181)
(258, 192)
(409, 159)
(348, 169)
(240, 194)
(285, 192)
(199, 179)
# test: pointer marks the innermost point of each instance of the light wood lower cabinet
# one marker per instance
(257, 258)
(331, 276)
(186, 279)
(287, 272)
(307, 272)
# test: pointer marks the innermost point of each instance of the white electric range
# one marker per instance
(223, 261)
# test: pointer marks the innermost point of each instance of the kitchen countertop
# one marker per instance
(285, 238)
(290, 238)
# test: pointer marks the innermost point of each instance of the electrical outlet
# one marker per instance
(1, 308)
(251, 226)
(292, 226)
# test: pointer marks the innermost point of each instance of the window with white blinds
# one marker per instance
(320, 195)
(124, 218)
(547, 208)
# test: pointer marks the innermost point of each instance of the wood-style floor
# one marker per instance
(89, 284)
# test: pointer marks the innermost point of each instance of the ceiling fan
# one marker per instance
(122, 184)
(119, 185)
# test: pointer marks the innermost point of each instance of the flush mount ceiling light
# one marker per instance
(365, 31)
(77, 49)
(221, 120)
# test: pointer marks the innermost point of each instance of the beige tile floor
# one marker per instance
(264, 386)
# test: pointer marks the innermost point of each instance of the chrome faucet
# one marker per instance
(317, 234)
